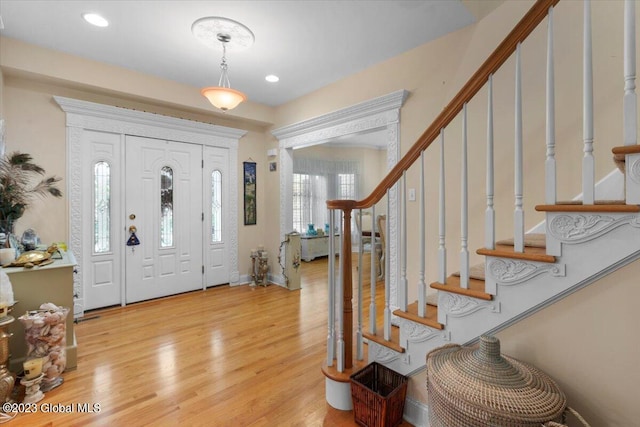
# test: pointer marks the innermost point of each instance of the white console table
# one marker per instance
(317, 246)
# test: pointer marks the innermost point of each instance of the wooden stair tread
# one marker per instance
(599, 206)
(393, 344)
(475, 272)
(431, 318)
(531, 240)
(343, 377)
(529, 254)
(626, 149)
(476, 288)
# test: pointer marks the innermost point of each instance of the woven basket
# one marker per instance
(480, 387)
(378, 395)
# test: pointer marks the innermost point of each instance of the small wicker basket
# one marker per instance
(378, 395)
(480, 387)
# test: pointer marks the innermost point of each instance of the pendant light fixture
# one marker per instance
(217, 32)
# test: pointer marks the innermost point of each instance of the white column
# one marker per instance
(331, 351)
(490, 215)
(588, 162)
(422, 286)
(518, 214)
(442, 250)
(550, 162)
(464, 209)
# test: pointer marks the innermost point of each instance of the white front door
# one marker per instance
(216, 223)
(163, 189)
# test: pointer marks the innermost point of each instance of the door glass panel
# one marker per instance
(101, 207)
(216, 206)
(166, 207)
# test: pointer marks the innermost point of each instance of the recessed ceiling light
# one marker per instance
(95, 19)
(271, 78)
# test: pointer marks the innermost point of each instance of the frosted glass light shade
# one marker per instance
(223, 98)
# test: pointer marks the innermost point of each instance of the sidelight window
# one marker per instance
(101, 207)
(166, 207)
(216, 206)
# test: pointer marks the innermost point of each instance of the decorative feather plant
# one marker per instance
(17, 173)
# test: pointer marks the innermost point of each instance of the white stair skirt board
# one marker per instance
(338, 394)
(416, 413)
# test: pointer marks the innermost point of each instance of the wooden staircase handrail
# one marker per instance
(499, 56)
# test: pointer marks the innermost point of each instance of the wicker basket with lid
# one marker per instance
(480, 387)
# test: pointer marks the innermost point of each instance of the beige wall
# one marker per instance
(432, 73)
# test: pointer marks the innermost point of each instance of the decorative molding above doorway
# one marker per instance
(382, 114)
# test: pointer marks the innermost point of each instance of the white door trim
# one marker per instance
(81, 115)
(382, 113)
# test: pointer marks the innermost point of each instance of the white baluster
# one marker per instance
(550, 162)
(422, 286)
(359, 338)
(442, 250)
(387, 284)
(518, 214)
(340, 305)
(464, 209)
(403, 285)
(331, 350)
(374, 274)
(630, 113)
(490, 215)
(588, 162)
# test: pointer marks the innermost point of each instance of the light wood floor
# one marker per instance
(227, 356)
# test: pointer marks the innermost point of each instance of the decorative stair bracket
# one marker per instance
(571, 228)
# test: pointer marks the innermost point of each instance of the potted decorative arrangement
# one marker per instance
(17, 190)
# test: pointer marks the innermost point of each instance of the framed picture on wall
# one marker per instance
(250, 206)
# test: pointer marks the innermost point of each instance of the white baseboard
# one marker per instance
(416, 413)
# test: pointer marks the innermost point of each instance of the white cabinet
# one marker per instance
(317, 246)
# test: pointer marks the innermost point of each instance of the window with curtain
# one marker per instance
(314, 182)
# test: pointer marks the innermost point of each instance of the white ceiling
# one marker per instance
(308, 44)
